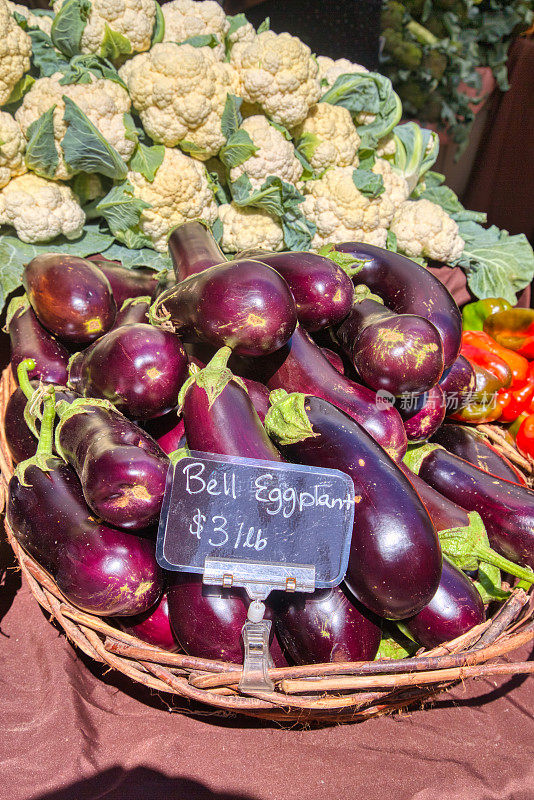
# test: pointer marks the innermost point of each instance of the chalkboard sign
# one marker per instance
(261, 513)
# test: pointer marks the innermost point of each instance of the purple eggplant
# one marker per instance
(471, 446)
(422, 415)
(335, 359)
(29, 339)
(506, 508)
(395, 558)
(300, 366)
(127, 283)
(154, 626)
(121, 468)
(138, 367)
(102, 570)
(458, 384)
(455, 608)
(243, 304)
(193, 249)
(134, 309)
(71, 297)
(207, 620)
(325, 626)
(399, 353)
(408, 288)
(168, 431)
(219, 415)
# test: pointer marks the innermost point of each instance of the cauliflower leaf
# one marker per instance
(85, 148)
(368, 182)
(147, 160)
(20, 88)
(68, 26)
(139, 257)
(41, 154)
(114, 45)
(120, 208)
(158, 31)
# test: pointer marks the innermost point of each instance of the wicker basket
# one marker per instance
(318, 692)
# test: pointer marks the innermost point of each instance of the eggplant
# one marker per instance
(168, 431)
(122, 469)
(134, 309)
(458, 383)
(127, 283)
(506, 508)
(97, 568)
(455, 608)
(325, 626)
(243, 304)
(207, 620)
(471, 446)
(154, 626)
(137, 367)
(408, 288)
(28, 339)
(334, 358)
(395, 558)
(422, 415)
(300, 366)
(193, 249)
(219, 415)
(398, 353)
(71, 297)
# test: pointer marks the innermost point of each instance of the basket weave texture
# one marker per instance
(318, 692)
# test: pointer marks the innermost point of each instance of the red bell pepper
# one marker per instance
(514, 402)
(488, 361)
(513, 329)
(517, 363)
(525, 437)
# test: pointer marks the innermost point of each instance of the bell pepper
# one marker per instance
(525, 437)
(513, 329)
(514, 402)
(474, 314)
(489, 361)
(483, 405)
(517, 363)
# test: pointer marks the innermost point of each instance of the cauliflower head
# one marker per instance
(423, 228)
(186, 18)
(245, 33)
(275, 154)
(15, 52)
(337, 138)
(40, 210)
(180, 93)
(44, 23)
(329, 72)
(249, 228)
(342, 213)
(179, 193)
(133, 19)
(104, 101)
(12, 146)
(279, 74)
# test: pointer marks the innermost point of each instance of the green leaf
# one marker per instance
(193, 150)
(41, 154)
(416, 149)
(368, 182)
(202, 40)
(84, 147)
(119, 208)
(20, 88)
(298, 231)
(114, 45)
(231, 117)
(497, 264)
(307, 145)
(131, 131)
(236, 22)
(217, 230)
(45, 58)
(281, 128)
(147, 160)
(366, 158)
(275, 195)
(142, 257)
(14, 254)
(218, 190)
(238, 148)
(391, 242)
(134, 239)
(158, 31)
(264, 26)
(448, 200)
(82, 69)
(68, 26)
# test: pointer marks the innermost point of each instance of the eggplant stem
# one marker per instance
(491, 557)
(23, 368)
(46, 435)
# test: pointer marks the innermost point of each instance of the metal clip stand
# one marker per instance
(256, 633)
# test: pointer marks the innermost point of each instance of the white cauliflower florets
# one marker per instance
(387, 146)
(275, 154)
(179, 193)
(180, 94)
(43, 22)
(245, 33)
(337, 138)
(12, 145)
(279, 74)
(342, 213)
(249, 229)
(329, 72)
(186, 18)
(104, 101)
(133, 19)
(15, 52)
(423, 228)
(40, 210)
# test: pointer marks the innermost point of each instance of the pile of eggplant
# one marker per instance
(346, 359)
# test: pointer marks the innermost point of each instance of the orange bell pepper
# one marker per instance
(513, 329)
(517, 363)
(490, 362)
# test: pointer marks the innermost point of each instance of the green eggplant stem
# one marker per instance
(23, 368)
(489, 556)
(46, 435)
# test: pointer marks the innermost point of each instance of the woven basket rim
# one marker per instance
(335, 692)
